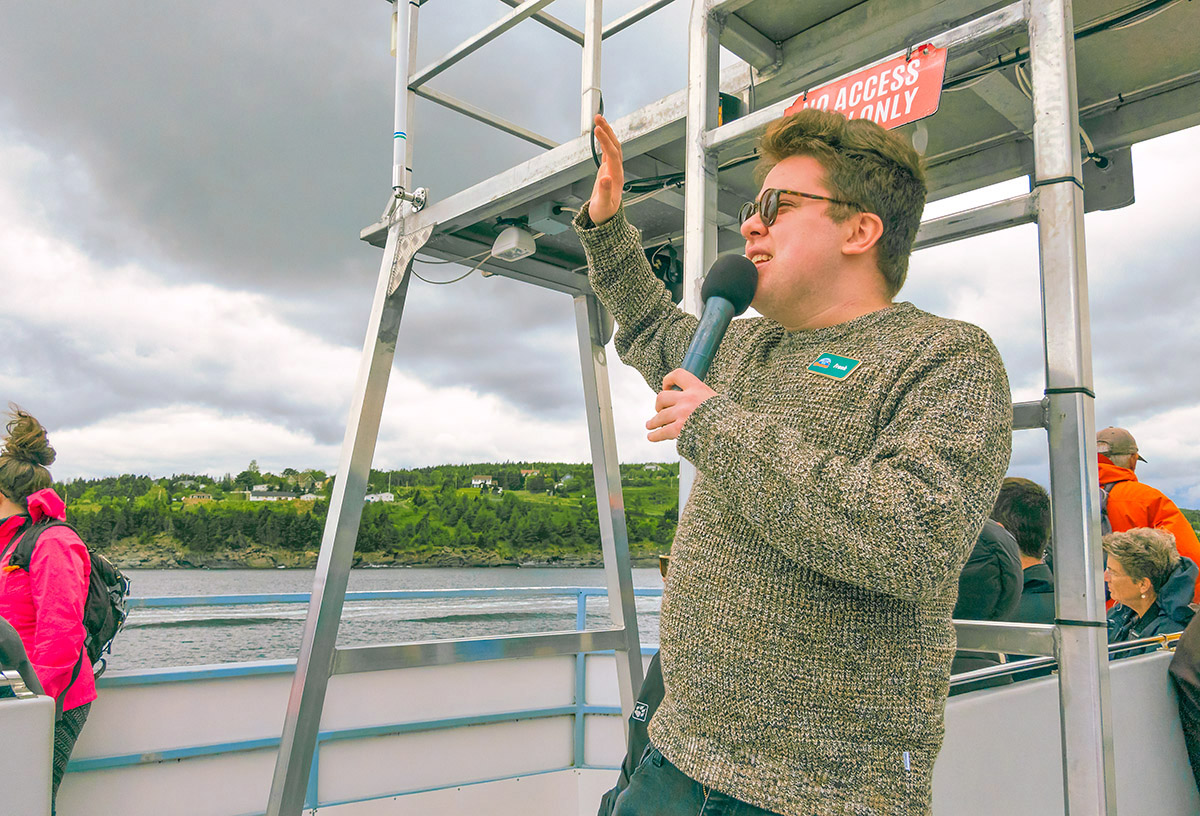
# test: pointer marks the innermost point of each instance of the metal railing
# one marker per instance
(435, 652)
(530, 9)
(1030, 639)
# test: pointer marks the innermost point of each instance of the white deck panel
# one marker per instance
(578, 791)
(26, 790)
(603, 740)
(438, 692)
(601, 671)
(228, 785)
(141, 719)
(1003, 751)
(378, 766)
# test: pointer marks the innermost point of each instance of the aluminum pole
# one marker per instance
(289, 786)
(593, 34)
(410, 98)
(1088, 770)
(303, 719)
(400, 152)
(592, 332)
(700, 175)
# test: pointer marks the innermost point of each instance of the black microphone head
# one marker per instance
(733, 277)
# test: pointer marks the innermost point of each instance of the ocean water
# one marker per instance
(205, 635)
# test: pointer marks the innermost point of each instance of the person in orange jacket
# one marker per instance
(1134, 504)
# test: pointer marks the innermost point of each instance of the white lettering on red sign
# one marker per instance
(893, 93)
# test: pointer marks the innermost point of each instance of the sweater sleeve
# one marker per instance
(653, 334)
(899, 520)
(59, 572)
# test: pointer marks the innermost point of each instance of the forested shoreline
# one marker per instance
(527, 514)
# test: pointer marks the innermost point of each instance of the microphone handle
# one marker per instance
(713, 322)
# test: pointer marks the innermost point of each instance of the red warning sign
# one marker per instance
(893, 93)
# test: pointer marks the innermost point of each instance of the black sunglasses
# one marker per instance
(768, 204)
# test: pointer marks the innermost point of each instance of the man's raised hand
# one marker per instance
(610, 178)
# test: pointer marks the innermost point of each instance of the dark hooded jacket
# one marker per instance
(1170, 612)
(1185, 673)
(989, 589)
(1037, 596)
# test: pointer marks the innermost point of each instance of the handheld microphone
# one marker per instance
(727, 291)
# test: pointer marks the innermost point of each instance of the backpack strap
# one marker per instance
(18, 535)
(25, 543)
(1105, 490)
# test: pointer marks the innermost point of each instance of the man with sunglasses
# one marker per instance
(847, 449)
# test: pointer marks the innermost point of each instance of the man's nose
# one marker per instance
(753, 226)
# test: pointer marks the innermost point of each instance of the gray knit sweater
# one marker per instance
(805, 633)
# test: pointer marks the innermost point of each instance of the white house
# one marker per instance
(380, 497)
(481, 481)
(257, 495)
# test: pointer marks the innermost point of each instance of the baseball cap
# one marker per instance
(1116, 440)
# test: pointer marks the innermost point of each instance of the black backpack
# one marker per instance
(104, 610)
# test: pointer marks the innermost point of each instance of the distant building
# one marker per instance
(261, 488)
(309, 497)
(481, 481)
(257, 495)
(186, 483)
(380, 497)
(651, 467)
(197, 498)
(525, 473)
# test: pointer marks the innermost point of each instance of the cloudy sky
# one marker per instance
(181, 190)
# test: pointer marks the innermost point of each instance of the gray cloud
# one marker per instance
(244, 146)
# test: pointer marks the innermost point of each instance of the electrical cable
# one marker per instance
(662, 182)
(482, 260)
(592, 130)
(417, 275)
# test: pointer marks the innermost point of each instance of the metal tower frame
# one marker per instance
(1079, 639)
(320, 658)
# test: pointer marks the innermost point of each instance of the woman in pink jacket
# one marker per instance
(45, 603)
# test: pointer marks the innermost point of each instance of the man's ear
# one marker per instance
(866, 230)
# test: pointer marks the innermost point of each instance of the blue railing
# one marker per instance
(192, 673)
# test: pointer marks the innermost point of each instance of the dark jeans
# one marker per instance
(658, 788)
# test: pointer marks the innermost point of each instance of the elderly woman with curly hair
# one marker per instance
(1151, 584)
(45, 602)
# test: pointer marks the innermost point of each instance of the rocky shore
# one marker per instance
(162, 552)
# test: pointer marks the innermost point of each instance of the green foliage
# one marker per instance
(436, 513)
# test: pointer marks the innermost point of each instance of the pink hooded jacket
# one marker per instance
(45, 604)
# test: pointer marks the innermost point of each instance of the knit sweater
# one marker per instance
(805, 632)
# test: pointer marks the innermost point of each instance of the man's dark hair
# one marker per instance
(1023, 507)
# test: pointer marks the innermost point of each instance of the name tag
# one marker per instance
(834, 366)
